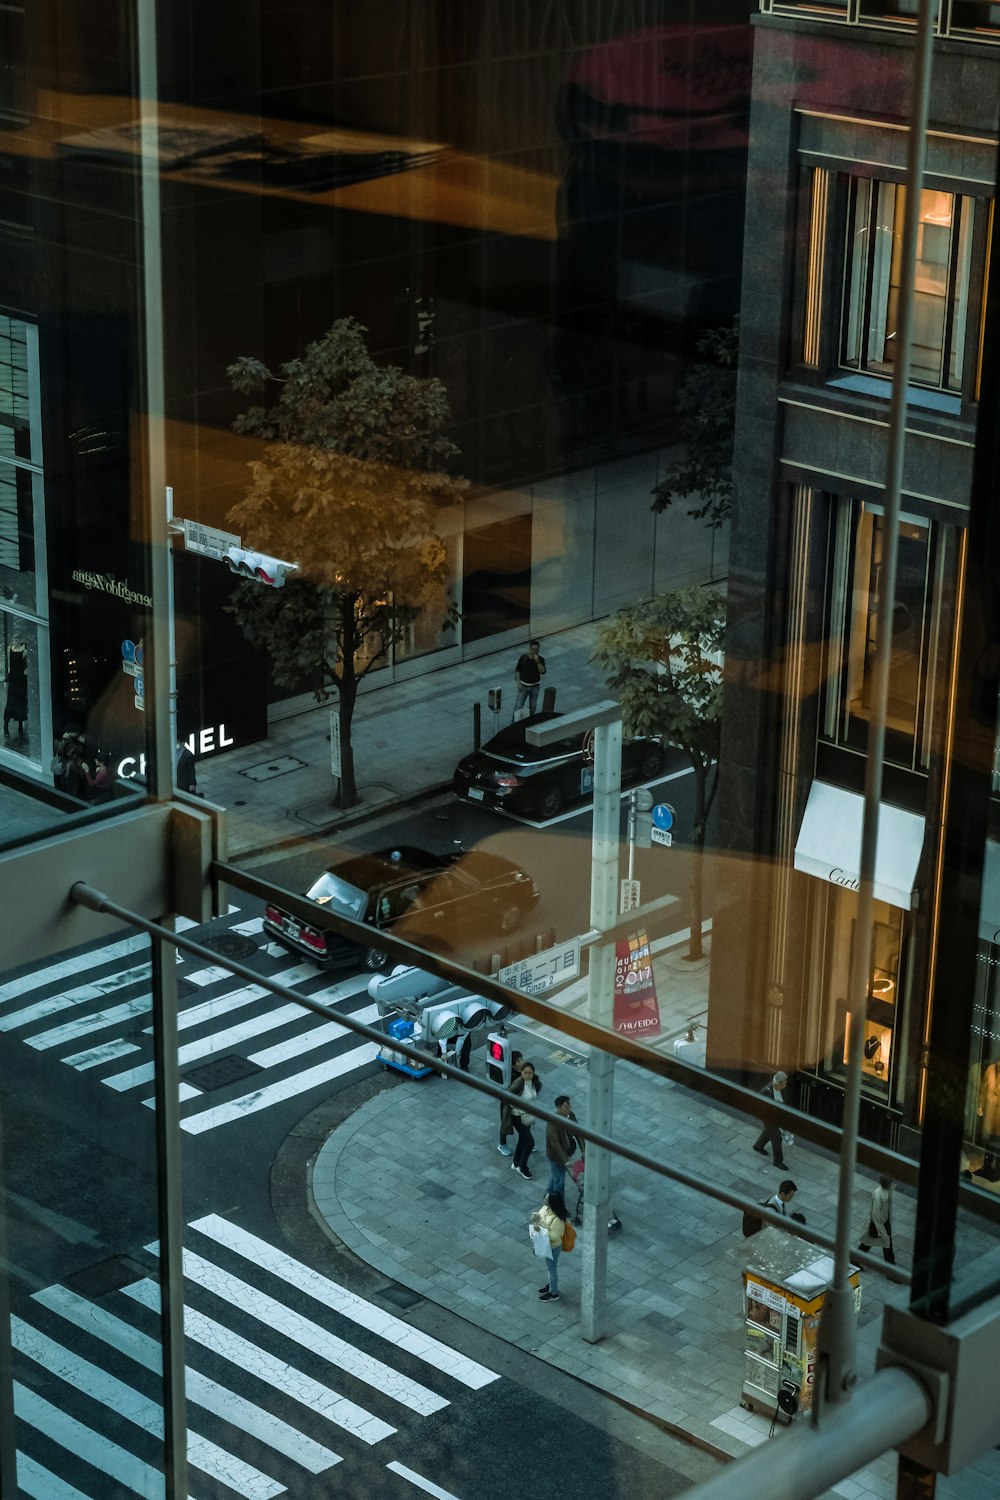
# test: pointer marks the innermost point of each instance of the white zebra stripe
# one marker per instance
(138, 1409)
(41, 1484)
(348, 1304)
(80, 996)
(67, 967)
(184, 1091)
(267, 1367)
(249, 929)
(308, 1041)
(286, 1088)
(96, 1021)
(95, 1449)
(94, 1056)
(420, 1483)
(281, 1319)
(210, 1010)
(228, 1405)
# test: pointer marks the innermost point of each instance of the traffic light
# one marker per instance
(439, 1022)
(499, 1051)
(269, 570)
(405, 989)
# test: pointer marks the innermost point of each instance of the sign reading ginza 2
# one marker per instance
(540, 971)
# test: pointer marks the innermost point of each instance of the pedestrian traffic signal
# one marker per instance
(269, 570)
(499, 1051)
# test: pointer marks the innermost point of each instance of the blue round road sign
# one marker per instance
(663, 816)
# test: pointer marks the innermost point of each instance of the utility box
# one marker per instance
(784, 1289)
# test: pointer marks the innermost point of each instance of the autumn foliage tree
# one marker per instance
(351, 473)
(664, 660)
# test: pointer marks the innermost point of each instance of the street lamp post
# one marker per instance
(605, 719)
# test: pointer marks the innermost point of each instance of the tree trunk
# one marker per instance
(347, 686)
(695, 949)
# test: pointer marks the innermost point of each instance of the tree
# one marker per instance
(664, 657)
(351, 473)
(706, 403)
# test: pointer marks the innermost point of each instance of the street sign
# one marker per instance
(663, 816)
(336, 763)
(630, 895)
(661, 836)
(207, 540)
(540, 971)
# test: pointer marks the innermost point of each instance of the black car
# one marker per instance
(443, 902)
(511, 775)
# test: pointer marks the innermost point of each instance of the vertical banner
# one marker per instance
(636, 1012)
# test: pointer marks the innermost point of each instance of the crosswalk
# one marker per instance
(92, 1013)
(289, 1374)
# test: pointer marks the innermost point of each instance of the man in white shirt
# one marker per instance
(770, 1135)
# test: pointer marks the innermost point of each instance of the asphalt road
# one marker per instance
(296, 1386)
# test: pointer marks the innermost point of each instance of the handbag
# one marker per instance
(540, 1242)
(569, 1237)
(787, 1138)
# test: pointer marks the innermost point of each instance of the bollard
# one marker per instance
(548, 700)
(477, 725)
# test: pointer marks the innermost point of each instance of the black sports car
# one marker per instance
(444, 902)
(512, 776)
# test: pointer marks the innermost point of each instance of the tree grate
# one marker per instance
(230, 945)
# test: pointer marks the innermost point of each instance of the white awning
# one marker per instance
(829, 844)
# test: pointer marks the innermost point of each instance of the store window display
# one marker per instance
(16, 702)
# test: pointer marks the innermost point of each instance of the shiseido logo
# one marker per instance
(841, 877)
(108, 584)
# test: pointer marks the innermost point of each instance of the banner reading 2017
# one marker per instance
(637, 1012)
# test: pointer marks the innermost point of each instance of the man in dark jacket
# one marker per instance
(770, 1135)
(560, 1146)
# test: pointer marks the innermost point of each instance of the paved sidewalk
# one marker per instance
(414, 1185)
(281, 789)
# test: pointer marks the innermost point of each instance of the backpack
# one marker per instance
(569, 1237)
(752, 1224)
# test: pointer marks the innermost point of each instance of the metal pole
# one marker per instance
(633, 796)
(600, 993)
(838, 1329)
(809, 1459)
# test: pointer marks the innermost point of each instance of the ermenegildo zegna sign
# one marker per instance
(829, 844)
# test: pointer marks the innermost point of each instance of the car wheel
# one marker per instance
(650, 761)
(550, 802)
(376, 960)
(510, 918)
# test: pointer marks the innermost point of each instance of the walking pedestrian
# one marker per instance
(770, 1135)
(878, 1230)
(525, 1087)
(506, 1116)
(528, 674)
(560, 1146)
(551, 1217)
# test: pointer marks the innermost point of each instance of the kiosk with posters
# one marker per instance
(783, 1291)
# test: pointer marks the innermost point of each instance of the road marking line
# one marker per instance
(96, 1021)
(95, 1449)
(421, 1483)
(222, 1402)
(267, 1367)
(329, 1031)
(94, 1056)
(80, 996)
(139, 1409)
(80, 964)
(309, 1335)
(220, 1005)
(249, 929)
(43, 1485)
(276, 1093)
(348, 1304)
(184, 1091)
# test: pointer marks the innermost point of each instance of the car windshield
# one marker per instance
(337, 895)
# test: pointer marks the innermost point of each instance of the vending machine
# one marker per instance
(784, 1288)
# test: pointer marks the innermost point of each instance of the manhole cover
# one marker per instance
(230, 945)
(107, 1276)
(223, 1071)
(399, 1296)
(268, 769)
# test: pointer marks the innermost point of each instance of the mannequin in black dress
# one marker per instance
(16, 706)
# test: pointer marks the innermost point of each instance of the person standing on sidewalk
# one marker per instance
(527, 1086)
(506, 1116)
(878, 1230)
(528, 674)
(560, 1146)
(770, 1135)
(552, 1217)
